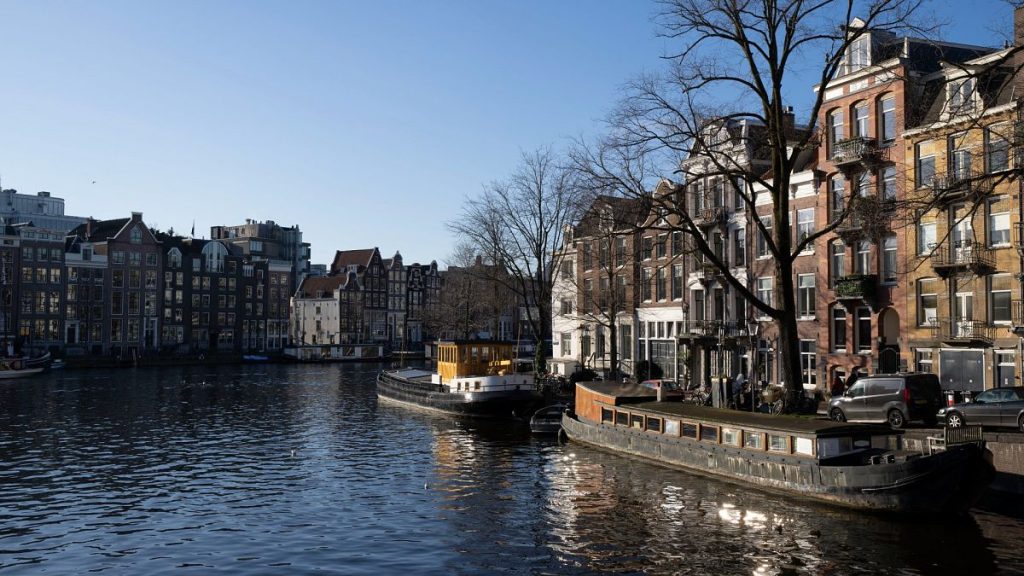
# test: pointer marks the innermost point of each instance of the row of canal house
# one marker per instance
(921, 147)
(116, 287)
(365, 305)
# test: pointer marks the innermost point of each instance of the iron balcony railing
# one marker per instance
(856, 287)
(963, 256)
(963, 331)
(959, 184)
(853, 150)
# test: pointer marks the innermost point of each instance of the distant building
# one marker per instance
(269, 241)
(411, 290)
(41, 209)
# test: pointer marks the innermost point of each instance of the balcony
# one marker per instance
(1017, 317)
(711, 331)
(963, 332)
(710, 271)
(960, 185)
(856, 290)
(709, 216)
(854, 152)
(963, 257)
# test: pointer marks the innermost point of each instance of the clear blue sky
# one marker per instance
(364, 122)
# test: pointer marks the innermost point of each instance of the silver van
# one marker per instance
(892, 398)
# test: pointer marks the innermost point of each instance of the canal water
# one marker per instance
(297, 469)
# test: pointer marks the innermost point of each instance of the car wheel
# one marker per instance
(837, 415)
(954, 420)
(1020, 422)
(896, 419)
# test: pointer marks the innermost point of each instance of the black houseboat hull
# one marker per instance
(417, 393)
(945, 482)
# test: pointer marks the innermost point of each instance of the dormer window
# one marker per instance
(960, 95)
(858, 55)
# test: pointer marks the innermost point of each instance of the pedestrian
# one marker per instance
(737, 390)
(837, 386)
(852, 378)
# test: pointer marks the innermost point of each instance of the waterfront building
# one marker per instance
(86, 315)
(873, 98)
(411, 290)
(594, 293)
(39, 292)
(963, 180)
(133, 287)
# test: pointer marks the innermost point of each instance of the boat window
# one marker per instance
(622, 418)
(731, 436)
(653, 424)
(672, 427)
(754, 440)
(477, 385)
(636, 421)
(778, 443)
(607, 415)
(803, 446)
(829, 447)
(709, 433)
(689, 430)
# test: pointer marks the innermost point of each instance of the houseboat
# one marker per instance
(855, 466)
(473, 378)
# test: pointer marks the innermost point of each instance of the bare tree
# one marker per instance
(517, 224)
(721, 112)
(472, 298)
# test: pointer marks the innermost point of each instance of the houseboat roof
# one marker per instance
(640, 398)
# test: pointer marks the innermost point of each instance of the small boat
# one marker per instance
(474, 378)
(860, 466)
(22, 367)
(547, 420)
(254, 358)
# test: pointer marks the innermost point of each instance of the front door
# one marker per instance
(962, 370)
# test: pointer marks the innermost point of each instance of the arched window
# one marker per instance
(174, 258)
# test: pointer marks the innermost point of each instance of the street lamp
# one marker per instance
(753, 327)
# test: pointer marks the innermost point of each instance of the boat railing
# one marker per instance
(961, 435)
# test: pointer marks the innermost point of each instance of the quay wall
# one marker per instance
(1007, 456)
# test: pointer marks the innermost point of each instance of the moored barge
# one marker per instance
(474, 378)
(855, 466)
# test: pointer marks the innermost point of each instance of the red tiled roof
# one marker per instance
(325, 284)
(345, 258)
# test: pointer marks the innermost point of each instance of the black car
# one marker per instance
(996, 407)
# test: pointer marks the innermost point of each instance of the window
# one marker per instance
(588, 294)
(960, 95)
(603, 248)
(862, 265)
(626, 341)
(648, 247)
(838, 326)
(887, 119)
(925, 238)
(1000, 287)
(645, 284)
(677, 243)
(925, 165)
(808, 363)
(697, 309)
(805, 226)
(858, 55)
(889, 258)
(835, 130)
(567, 271)
(927, 301)
(887, 178)
(136, 235)
(860, 119)
(805, 295)
(620, 251)
(999, 221)
(566, 306)
(837, 261)
(661, 248)
(677, 282)
(762, 241)
(837, 196)
(923, 360)
(118, 257)
(587, 259)
(740, 247)
(764, 290)
(660, 285)
(862, 330)
(959, 157)
(997, 151)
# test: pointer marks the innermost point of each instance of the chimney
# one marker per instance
(789, 122)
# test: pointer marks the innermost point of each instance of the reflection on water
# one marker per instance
(296, 469)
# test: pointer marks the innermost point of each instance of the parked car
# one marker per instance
(892, 398)
(996, 407)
